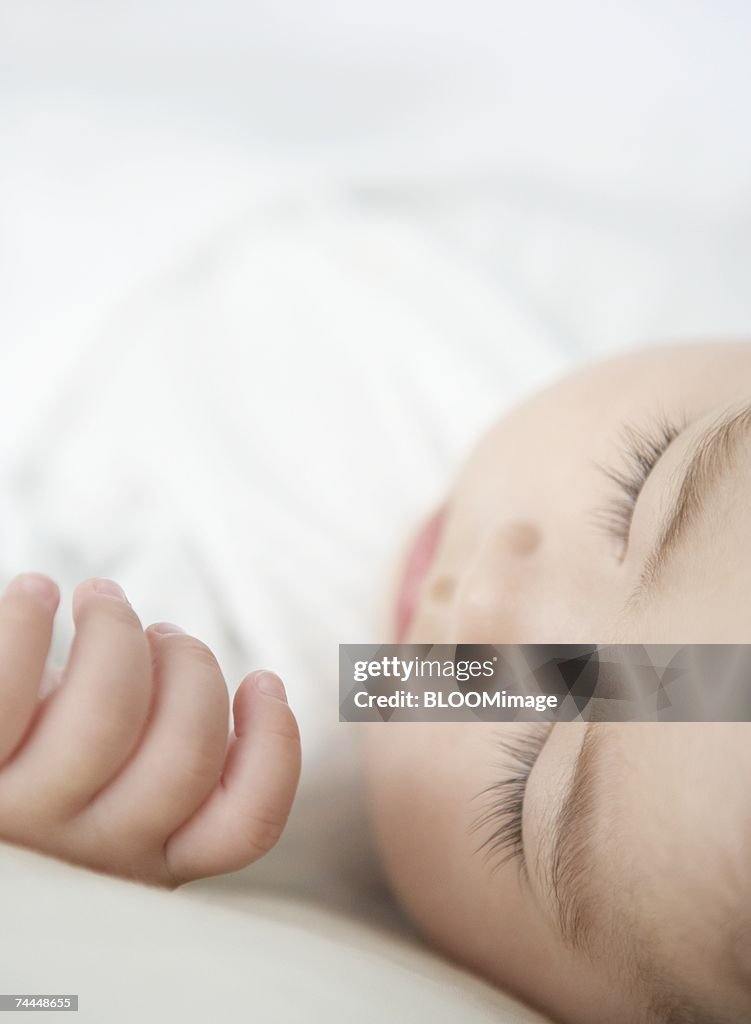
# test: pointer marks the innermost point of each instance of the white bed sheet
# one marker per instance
(133, 953)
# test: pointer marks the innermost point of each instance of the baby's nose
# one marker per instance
(491, 596)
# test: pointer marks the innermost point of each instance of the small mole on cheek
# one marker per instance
(442, 588)
(523, 537)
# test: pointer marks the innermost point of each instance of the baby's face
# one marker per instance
(611, 508)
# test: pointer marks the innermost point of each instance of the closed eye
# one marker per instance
(502, 815)
(641, 450)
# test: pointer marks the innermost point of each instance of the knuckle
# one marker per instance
(111, 608)
(199, 653)
(201, 771)
(204, 758)
(101, 751)
(263, 831)
(286, 728)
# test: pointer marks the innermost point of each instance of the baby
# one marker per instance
(601, 872)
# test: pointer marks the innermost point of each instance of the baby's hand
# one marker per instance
(126, 766)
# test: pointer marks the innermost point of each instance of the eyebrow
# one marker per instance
(570, 858)
(709, 459)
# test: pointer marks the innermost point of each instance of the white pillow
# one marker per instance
(136, 953)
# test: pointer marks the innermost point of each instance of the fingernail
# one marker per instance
(270, 684)
(110, 588)
(38, 584)
(166, 627)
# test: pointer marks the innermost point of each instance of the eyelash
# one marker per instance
(505, 798)
(642, 447)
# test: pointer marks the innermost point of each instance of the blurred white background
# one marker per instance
(527, 130)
